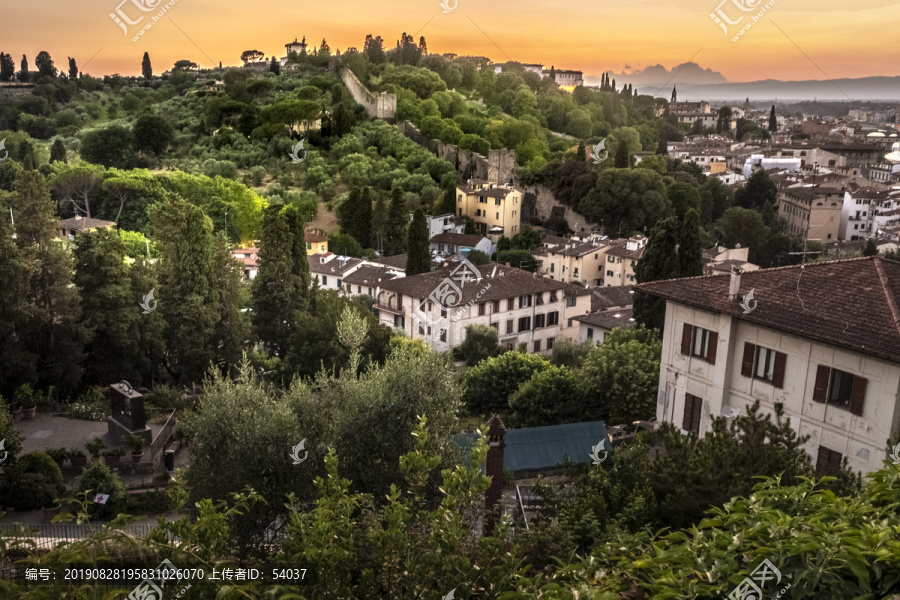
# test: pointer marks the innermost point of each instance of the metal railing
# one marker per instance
(162, 438)
(48, 536)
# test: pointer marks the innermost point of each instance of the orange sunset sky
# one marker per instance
(845, 39)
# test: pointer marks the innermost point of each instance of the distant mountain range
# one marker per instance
(885, 89)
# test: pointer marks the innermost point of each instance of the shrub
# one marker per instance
(99, 479)
(94, 447)
(33, 481)
(481, 342)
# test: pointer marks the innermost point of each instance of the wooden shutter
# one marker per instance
(711, 347)
(688, 412)
(695, 417)
(858, 396)
(747, 361)
(686, 339)
(778, 376)
(821, 389)
(823, 458)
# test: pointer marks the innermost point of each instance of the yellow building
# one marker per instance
(622, 257)
(316, 243)
(495, 209)
(812, 212)
(573, 262)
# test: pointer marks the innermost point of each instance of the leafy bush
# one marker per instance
(99, 479)
(481, 342)
(92, 405)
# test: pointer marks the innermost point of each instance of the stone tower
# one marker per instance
(674, 95)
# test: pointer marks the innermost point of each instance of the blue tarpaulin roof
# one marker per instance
(536, 448)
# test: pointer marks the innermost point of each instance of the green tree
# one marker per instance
(44, 64)
(871, 248)
(397, 224)
(569, 353)
(58, 151)
(112, 146)
(273, 288)
(690, 248)
(187, 298)
(355, 215)
(52, 331)
(481, 342)
(448, 199)
(773, 121)
(477, 257)
(300, 276)
(7, 67)
(745, 227)
(520, 259)
(419, 260)
(15, 312)
(528, 238)
(684, 197)
(146, 67)
(621, 375)
(659, 261)
(23, 70)
(152, 133)
(551, 397)
(488, 385)
(626, 199)
(623, 157)
(109, 307)
(759, 194)
(100, 479)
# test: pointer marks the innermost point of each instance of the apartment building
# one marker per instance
(869, 211)
(821, 339)
(448, 223)
(495, 209)
(316, 242)
(812, 212)
(622, 257)
(573, 261)
(330, 269)
(437, 307)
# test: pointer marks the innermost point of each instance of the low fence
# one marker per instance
(46, 537)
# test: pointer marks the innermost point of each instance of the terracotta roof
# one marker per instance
(851, 303)
(505, 282)
(311, 236)
(397, 261)
(371, 275)
(577, 248)
(336, 266)
(82, 223)
(458, 239)
(498, 192)
(608, 319)
(620, 248)
(603, 298)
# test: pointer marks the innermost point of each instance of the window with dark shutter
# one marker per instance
(711, 348)
(780, 362)
(828, 461)
(686, 339)
(858, 396)
(820, 392)
(692, 407)
(747, 360)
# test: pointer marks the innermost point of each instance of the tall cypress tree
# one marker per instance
(109, 307)
(23, 70)
(58, 151)
(448, 199)
(419, 259)
(232, 328)
(773, 121)
(379, 222)
(146, 67)
(300, 276)
(397, 224)
(363, 218)
(690, 252)
(53, 333)
(186, 294)
(622, 155)
(274, 287)
(15, 273)
(659, 261)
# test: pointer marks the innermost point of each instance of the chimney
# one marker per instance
(734, 287)
(496, 435)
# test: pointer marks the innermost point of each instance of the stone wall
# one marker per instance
(15, 91)
(545, 202)
(498, 166)
(379, 106)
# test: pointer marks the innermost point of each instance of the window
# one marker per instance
(309, 245)
(524, 301)
(611, 259)
(339, 283)
(482, 308)
(553, 319)
(590, 333)
(539, 321)
(550, 343)
(525, 324)
(421, 328)
(570, 302)
(443, 335)
(537, 345)
(828, 461)
(498, 216)
(443, 313)
(692, 405)
(763, 363)
(459, 198)
(575, 274)
(324, 279)
(509, 326)
(496, 326)
(477, 212)
(399, 322)
(840, 388)
(552, 296)
(359, 289)
(539, 298)
(609, 273)
(429, 305)
(552, 267)
(696, 341)
(496, 201)
(509, 304)
(482, 200)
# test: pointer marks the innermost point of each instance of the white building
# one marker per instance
(821, 339)
(760, 161)
(460, 244)
(330, 269)
(448, 223)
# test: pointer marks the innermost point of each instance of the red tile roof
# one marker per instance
(458, 239)
(82, 223)
(851, 303)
